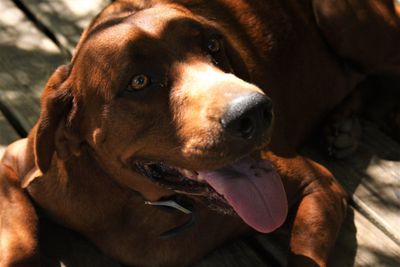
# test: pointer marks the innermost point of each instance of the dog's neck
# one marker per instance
(81, 182)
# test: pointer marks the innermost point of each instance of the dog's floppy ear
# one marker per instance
(365, 33)
(57, 104)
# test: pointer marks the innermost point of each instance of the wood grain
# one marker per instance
(7, 134)
(66, 18)
(27, 58)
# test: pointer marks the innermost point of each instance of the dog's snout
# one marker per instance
(247, 116)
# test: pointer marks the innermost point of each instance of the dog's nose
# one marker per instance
(247, 116)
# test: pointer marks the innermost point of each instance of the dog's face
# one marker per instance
(161, 82)
(161, 95)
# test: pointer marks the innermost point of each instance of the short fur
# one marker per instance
(307, 56)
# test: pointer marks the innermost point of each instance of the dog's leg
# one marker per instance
(342, 137)
(322, 205)
(18, 223)
(366, 35)
(343, 131)
(375, 99)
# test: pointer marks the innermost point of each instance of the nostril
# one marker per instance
(246, 127)
(247, 116)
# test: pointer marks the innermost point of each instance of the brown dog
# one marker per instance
(171, 101)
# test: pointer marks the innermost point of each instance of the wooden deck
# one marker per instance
(38, 35)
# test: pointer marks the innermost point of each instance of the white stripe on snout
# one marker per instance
(200, 97)
(202, 77)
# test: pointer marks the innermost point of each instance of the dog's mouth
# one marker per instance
(248, 187)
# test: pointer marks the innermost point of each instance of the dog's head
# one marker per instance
(159, 98)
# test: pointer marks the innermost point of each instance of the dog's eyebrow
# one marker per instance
(105, 25)
(184, 26)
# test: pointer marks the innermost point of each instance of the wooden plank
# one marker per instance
(7, 134)
(369, 246)
(372, 178)
(65, 18)
(27, 58)
(360, 244)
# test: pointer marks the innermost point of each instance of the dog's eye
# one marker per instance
(139, 82)
(213, 45)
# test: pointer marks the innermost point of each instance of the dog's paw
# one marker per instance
(342, 137)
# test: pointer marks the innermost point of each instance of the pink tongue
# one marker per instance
(254, 190)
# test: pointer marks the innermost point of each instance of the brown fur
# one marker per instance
(294, 51)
